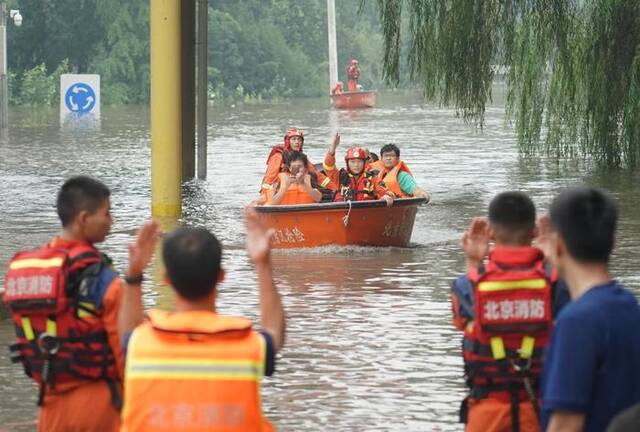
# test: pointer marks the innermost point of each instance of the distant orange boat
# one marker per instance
(351, 100)
(363, 223)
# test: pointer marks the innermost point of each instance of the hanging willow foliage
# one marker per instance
(572, 67)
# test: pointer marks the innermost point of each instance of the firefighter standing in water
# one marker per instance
(505, 306)
(293, 141)
(64, 298)
(353, 74)
(193, 368)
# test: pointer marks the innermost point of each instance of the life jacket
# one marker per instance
(503, 345)
(206, 365)
(294, 195)
(354, 188)
(375, 167)
(60, 336)
(390, 178)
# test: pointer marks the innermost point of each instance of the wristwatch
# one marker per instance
(134, 280)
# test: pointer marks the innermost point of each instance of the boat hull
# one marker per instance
(351, 100)
(369, 223)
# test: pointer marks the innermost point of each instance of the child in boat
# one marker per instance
(505, 305)
(295, 185)
(354, 182)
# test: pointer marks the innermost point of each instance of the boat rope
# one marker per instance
(345, 219)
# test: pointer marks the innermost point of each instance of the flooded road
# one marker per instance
(370, 345)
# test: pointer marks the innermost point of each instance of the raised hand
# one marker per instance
(335, 142)
(141, 250)
(475, 241)
(258, 241)
(543, 239)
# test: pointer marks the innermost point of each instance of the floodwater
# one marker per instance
(370, 345)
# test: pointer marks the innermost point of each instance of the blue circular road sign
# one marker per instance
(80, 98)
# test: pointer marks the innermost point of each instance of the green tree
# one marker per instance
(572, 67)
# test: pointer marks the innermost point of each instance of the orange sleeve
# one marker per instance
(273, 169)
(323, 180)
(111, 303)
(329, 166)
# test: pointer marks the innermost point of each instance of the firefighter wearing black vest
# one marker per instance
(504, 304)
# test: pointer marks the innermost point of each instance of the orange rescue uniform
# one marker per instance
(193, 371)
(378, 190)
(60, 409)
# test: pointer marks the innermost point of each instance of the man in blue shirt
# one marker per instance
(592, 365)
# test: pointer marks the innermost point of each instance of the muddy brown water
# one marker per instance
(370, 345)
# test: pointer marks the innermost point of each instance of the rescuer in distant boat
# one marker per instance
(353, 74)
(338, 89)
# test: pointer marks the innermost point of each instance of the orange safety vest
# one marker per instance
(294, 195)
(390, 177)
(194, 371)
(60, 336)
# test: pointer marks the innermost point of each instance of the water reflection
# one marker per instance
(370, 345)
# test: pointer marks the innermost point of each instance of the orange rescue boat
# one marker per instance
(363, 223)
(350, 100)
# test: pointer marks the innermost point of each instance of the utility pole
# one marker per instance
(333, 51)
(4, 104)
(202, 88)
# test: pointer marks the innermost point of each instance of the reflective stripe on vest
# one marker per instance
(199, 369)
(203, 364)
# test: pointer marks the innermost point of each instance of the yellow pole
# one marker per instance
(166, 103)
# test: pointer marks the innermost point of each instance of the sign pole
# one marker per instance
(166, 112)
(203, 87)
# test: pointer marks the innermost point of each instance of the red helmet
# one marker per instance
(291, 133)
(356, 153)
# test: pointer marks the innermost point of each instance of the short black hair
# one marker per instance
(512, 216)
(192, 258)
(586, 219)
(390, 148)
(292, 156)
(80, 193)
(374, 157)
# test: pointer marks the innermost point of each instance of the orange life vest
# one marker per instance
(194, 371)
(294, 195)
(390, 177)
(503, 345)
(60, 336)
(354, 188)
